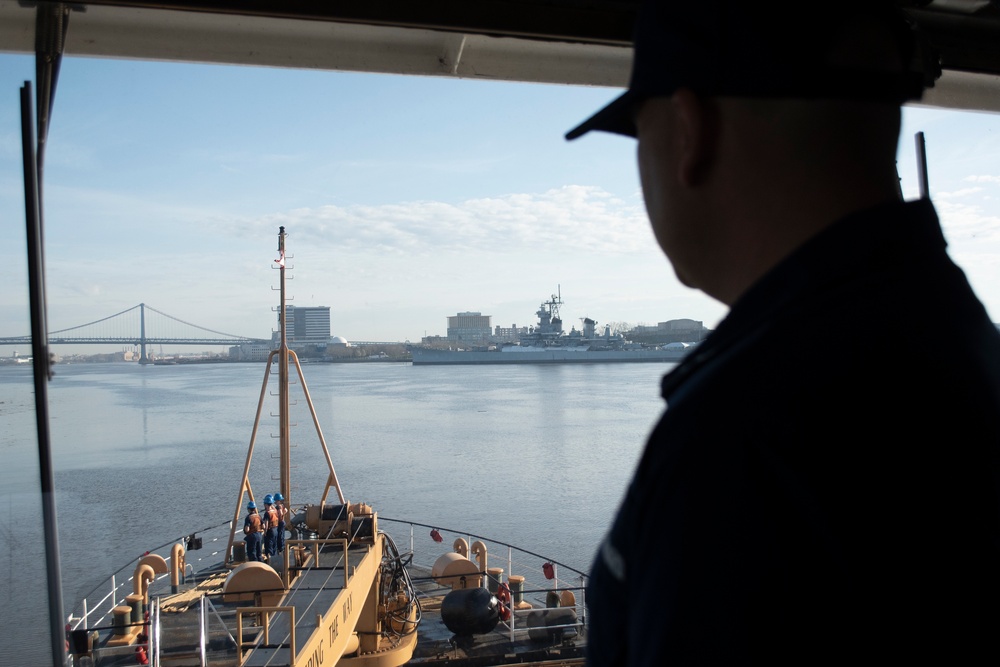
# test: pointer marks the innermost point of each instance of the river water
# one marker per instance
(537, 456)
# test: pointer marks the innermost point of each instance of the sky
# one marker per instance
(406, 199)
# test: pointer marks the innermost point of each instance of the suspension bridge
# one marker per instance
(139, 325)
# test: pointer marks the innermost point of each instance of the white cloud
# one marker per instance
(571, 218)
(956, 194)
(983, 179)
(967, 220)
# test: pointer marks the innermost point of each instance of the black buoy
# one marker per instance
(470, 611)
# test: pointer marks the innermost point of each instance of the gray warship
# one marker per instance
(548, 343)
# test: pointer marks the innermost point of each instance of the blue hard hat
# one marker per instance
(268, 500)
(251, 505)
(278, 497)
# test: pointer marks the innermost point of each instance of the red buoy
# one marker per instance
(436, 536)
(549, 571)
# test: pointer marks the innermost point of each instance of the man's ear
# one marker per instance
(697, 119)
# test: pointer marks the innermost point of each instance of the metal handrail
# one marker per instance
(267, 611)
(154, 635)
(315, 543)
(211, 608)
(522, 568)
(481, 537)
(88, 610)
(202, 631)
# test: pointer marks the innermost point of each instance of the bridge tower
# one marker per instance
(143, 359)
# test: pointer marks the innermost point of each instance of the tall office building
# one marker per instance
(308, 324)
(470, 326)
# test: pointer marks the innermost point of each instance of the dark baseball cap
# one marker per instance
(776, 49)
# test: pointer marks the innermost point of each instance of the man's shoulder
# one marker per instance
(850, 299)
(841, 360)
(822, 345)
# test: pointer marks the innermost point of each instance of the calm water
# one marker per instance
(533, 455)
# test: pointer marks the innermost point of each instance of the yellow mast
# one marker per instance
(352, 629)
(283, 354)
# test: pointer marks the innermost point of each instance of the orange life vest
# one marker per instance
(272, 517)
(255, 525)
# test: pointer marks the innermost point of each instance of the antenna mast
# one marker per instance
(284, 474)
(284, 355)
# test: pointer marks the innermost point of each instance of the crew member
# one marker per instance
(823, 486)
(253, 528)
(270, 527)
(279, 506)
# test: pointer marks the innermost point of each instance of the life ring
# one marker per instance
(503, 597)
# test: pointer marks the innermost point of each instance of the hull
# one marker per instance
(544, 356)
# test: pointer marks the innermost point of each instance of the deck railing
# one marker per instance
(538, 582)
(94, 611)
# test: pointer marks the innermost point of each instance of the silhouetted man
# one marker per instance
(823, 485)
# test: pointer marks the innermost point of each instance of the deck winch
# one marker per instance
(356, 521)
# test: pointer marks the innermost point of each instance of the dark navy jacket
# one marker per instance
(823, 487)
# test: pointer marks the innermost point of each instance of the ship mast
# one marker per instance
(284, 473)
(284, 356)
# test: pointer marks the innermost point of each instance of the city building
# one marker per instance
(308, 332)
(671, 331)
(308, 325)
(682, 325)
(511, 334)
(250, 352)
(672, 326)
(470, 327)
